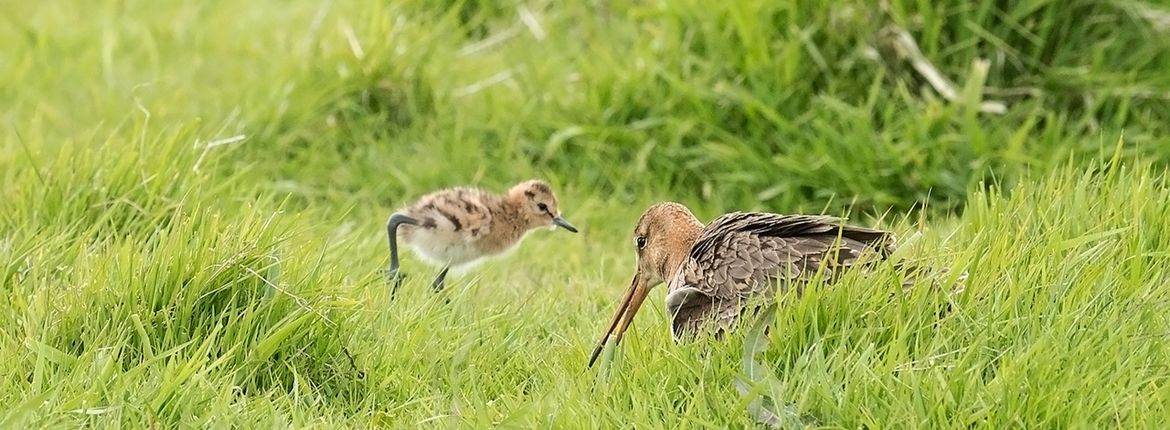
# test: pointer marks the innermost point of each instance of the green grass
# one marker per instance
(191, 232)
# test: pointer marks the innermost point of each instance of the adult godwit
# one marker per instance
(713, 272)
(458, 227)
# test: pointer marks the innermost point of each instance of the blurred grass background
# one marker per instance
(194, 196)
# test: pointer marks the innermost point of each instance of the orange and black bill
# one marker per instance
(624, 315)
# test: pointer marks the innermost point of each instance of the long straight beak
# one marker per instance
(624, 315)
(560, 222)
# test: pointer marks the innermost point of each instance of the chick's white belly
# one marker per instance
(440, 249)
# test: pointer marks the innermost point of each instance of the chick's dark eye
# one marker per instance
(640, 241)
(542, 207)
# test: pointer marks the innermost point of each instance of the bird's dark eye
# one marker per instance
(543, 207)
(640, 241)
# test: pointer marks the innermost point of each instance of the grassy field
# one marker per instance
(194, 193)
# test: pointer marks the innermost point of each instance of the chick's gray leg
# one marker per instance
(393, 274)
(438, 284)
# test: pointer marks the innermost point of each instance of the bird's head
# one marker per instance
(662, 239)
(538, 205)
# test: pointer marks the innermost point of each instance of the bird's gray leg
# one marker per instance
(393, 274)
(438, 284)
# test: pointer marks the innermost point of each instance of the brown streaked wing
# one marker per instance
(739, 256)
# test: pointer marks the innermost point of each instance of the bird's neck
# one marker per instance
(682, 239)
(512, 222)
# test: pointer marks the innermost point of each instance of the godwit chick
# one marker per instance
(458, 227)
(713, 272)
